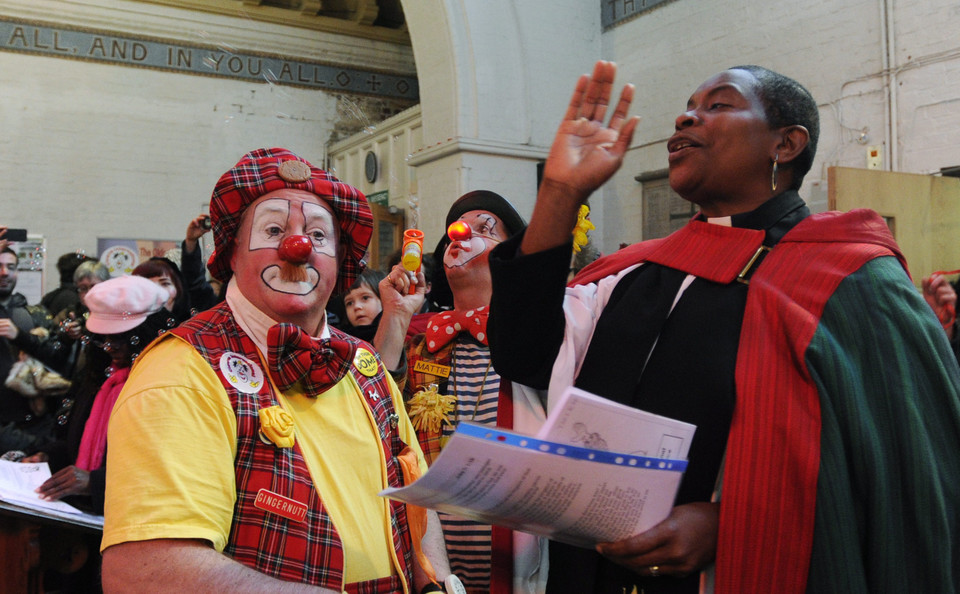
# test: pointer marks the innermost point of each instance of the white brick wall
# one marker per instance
(90, 150)
(833, 48)
(104, 151)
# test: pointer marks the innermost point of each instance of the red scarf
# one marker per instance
(93, 443)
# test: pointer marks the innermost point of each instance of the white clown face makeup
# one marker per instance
(271, 217)
(256, 260)
(488, 231)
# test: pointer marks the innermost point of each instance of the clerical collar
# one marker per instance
(776, 216)
(251, 320)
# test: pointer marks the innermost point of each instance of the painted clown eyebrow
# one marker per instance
(486, 219)
(275, 205)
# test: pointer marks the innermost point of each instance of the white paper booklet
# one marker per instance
(560, 490)
(17, 484)
(587, 420)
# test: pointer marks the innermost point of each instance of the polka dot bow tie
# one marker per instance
(295, 356)
(445, 326)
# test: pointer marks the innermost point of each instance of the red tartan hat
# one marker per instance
(265, 170)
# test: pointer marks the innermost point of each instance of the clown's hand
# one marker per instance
(399, 305)
(395, 291)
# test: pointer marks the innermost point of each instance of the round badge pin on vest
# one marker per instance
(241, 373)
(365, 362)
(453, 585)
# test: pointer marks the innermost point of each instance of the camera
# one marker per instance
(15, 235)
(205, 222)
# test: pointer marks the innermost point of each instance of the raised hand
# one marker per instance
(395, 295)
(399, 305)
(584, 154)
(195, 230)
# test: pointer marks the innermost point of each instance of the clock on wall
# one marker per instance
(370, 166)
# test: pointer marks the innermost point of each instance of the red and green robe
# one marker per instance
(842, 448)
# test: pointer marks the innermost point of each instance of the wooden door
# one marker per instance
(922, 211)
(388, 226)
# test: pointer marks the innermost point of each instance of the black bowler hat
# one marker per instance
(475, 200)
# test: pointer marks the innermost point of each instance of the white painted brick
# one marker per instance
(832, 48)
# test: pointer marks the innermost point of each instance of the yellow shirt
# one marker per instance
(172, 443)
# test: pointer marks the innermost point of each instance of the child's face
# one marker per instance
(362, 306)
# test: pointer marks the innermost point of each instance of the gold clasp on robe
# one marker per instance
(742, 277)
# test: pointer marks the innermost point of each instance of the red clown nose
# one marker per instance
(459, 231)
(295, 249)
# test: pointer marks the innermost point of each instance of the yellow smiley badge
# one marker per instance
(365, 363)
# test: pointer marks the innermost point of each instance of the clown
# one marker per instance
(264, 451)
(448, 378)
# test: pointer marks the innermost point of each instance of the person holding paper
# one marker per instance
(823, 389)
(449, 377)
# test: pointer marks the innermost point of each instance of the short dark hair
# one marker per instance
(67, 264)
(160, 266)
(9, 250)
(788, 103)
(370, 278)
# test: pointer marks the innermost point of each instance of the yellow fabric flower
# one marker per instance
(276, 425)
(428, 409)
(580, 238)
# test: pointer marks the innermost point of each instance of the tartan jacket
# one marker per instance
(418, 380)
(309, 551)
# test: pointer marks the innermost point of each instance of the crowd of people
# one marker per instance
(265, 406)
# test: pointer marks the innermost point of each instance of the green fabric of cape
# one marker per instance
(890, 441)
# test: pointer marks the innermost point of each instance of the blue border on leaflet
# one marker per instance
(559, 449)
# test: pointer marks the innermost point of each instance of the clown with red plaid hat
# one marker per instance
(248, 446)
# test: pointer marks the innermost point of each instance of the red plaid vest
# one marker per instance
(309, 551)
(418, 380)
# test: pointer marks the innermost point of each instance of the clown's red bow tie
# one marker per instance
(445, 326)
(295, 356)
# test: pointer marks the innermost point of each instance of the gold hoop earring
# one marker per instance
(773, 180)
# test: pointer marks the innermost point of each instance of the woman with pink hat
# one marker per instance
(123, 320)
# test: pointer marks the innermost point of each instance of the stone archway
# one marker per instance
(494, 77)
